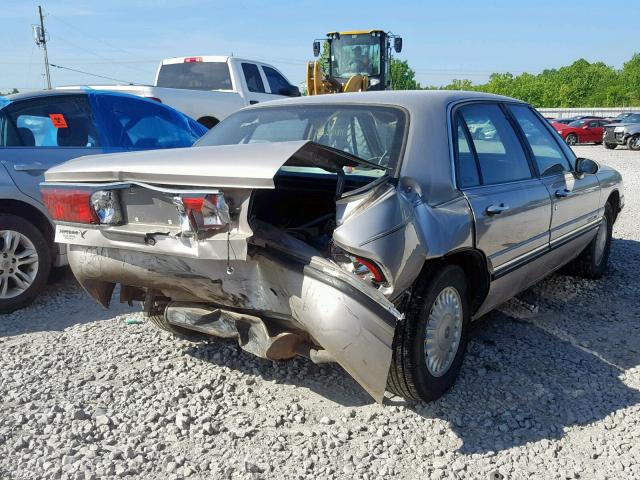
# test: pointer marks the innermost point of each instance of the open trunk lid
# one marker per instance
(233, 166)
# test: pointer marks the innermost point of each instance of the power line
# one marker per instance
(91, 74)
(115, 47)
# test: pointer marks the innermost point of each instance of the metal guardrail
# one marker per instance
(572, 112)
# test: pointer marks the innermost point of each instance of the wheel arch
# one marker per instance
(31, 214)
(474, 264)
(614, 200)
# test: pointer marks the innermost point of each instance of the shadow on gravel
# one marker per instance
(328, 380)
(521, 384)
(62, 304)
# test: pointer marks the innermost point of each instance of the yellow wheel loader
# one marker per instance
(358, 61)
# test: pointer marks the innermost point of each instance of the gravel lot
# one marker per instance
(548, 392)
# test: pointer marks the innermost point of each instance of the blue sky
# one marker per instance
(125, 39)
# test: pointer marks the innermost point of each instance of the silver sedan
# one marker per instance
(366, 229)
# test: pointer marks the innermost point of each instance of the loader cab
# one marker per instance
(361, 52)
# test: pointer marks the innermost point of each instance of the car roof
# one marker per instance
(45, 93)
(409, 99)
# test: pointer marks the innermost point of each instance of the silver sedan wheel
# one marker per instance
(443, 332)
(601, 239)
(18, 263)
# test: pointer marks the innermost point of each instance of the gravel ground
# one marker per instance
(545, 392)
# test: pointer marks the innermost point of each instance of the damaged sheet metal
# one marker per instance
(352, 321)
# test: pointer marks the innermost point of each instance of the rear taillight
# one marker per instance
(82, 206)
(69, 205)
(363, 268)
(208, 212)
(155, 99)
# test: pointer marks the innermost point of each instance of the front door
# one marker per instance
(575, 199)
(511, 206)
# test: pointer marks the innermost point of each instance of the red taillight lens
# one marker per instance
(69, 205)
(376, 274)
(194, 204)
(155, 99)
(192, 59)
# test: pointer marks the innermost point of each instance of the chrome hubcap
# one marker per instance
(601, 240)
(18, 263)
(443, 332)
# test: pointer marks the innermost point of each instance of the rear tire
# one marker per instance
(593, 261)
(633, 143)
(426, 357)
(571, 139)
(610, 146)
(25, 262)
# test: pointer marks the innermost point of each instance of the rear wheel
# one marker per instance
(571, 139)
(429, 344)
(610, 146)
(593, 261)
(634, 142)
(25, 262)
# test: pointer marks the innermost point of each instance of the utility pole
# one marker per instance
(40, 37)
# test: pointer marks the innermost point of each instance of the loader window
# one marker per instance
(355, 55)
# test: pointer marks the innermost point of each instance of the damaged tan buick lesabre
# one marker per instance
(366, 229)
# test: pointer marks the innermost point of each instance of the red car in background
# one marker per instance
(587, 130)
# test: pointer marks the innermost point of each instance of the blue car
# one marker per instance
(41, 129)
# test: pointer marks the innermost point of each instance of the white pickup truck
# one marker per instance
(209, 88)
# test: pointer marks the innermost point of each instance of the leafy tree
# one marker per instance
(581, 84)
(402, 76)
(15, 90)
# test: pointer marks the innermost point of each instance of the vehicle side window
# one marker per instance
(144, 124)
(467, 173)
(593, 124)
(253, 78)
(55, 121)
(498, 149)
(276, 81)
(546, 151)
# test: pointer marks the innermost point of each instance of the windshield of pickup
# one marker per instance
(375, 134)
(195, 76)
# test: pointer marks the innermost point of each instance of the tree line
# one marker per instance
(581, 84)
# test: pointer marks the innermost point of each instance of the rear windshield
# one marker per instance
(374, 134)
(195, 76)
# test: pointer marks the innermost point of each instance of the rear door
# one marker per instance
(575, 199)
(255, 83)
(39, 133)
(511, 206)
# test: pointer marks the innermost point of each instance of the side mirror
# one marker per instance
(290, 91)
(316, 49)
(585, 166)
(397, 44)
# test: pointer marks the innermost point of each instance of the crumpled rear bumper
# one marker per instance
(353, 322)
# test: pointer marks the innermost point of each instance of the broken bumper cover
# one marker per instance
(353, 322)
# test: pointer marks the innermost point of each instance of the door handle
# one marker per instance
(496, 209)
(28, 167)
(563, 192)
(253, 102)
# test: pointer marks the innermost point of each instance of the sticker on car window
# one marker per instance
(58, 120)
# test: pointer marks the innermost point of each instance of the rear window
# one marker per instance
(374, 134)
(195, 76)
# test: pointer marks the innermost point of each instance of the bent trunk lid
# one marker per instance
(232, 166)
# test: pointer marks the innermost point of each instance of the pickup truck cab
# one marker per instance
(209, 88)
